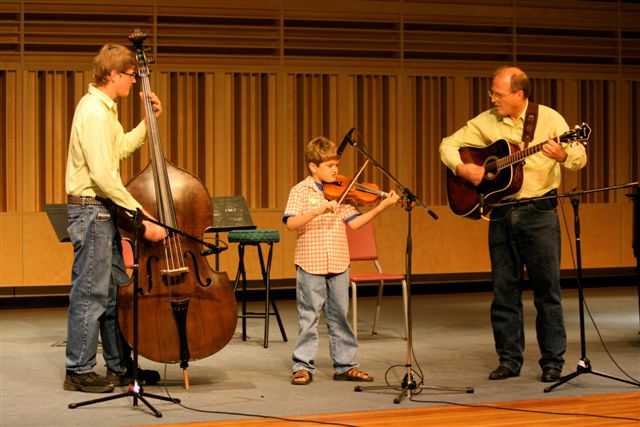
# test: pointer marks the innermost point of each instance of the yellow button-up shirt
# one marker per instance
(96, 146)
(541, 174)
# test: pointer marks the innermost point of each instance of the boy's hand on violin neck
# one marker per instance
(390, 200)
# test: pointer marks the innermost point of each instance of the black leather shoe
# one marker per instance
(502, 372)
(550, 375)
(145, 377)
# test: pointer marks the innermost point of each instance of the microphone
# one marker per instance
(346, 140)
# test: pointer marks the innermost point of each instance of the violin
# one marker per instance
(365, 194)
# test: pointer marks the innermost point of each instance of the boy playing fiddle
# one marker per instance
(322, 263)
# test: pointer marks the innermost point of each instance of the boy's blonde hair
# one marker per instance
(321, 149)
(112, 57)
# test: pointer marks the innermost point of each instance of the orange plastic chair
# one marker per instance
(362, 247)
(127, 253)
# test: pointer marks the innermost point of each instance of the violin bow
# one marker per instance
(353, 182)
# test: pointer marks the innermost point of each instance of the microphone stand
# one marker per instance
(135, 389)
(409, 386)
(584, 364)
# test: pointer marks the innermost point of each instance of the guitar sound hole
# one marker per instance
(490, 171)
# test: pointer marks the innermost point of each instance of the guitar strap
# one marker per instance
(530, 121)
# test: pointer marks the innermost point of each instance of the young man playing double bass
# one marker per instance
(523, 234)
(97, 144)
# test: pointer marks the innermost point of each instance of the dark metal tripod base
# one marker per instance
(136, 392)
(409, 388)
(584, 367)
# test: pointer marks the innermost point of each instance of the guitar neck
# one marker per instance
(518, 156)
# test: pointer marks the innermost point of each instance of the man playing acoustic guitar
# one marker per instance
(526, 234)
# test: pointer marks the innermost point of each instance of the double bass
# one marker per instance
(186, 311)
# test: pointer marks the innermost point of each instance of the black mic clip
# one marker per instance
(346, 140)
(215, 250)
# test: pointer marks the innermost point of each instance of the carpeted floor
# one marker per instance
(452, 347)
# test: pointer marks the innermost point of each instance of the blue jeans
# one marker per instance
(331, 293)
(98, 270)
(527, 235)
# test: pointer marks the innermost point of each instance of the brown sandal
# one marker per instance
(353, 374)
(301, 377)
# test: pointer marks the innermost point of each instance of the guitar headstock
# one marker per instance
(579, 134)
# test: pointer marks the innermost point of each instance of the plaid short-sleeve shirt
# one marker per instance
(321, 245)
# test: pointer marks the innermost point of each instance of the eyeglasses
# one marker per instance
(497, 96)
(131, 75)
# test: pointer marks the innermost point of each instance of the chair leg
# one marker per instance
(242, 272)
(354, 307)
(378, 305)
(266, 276)
(267, 291)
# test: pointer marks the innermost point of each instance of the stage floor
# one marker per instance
(452, 347)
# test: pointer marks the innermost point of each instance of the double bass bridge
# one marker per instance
(174, 275)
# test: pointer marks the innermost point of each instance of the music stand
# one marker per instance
(58, 218)
(229, 213)
(408, 385)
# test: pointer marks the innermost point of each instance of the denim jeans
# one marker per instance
(527, 234)
(331, 293)
(98, 270)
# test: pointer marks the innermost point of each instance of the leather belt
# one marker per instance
(547, 194)
(82, 200)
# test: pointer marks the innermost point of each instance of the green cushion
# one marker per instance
(254, 236)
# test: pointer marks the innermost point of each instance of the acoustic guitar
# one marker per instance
(503, 162)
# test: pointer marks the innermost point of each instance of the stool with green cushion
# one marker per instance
(257, 238)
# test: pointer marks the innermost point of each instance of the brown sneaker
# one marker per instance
(88, 383)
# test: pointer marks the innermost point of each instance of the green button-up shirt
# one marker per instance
(541, 174)
(97, 144)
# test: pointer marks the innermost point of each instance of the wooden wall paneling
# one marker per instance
(45, 260)
(10, 136)
(420, 120)
(217, 146)
(568, 101)
(248, 84)
(10, 32)
(184, 129)
(438, 92)
(623, 153)
(53, 136)
(250, 141)
(634, 123)
(589, 95)
(314, 107)
(270, 146)
(11, 249)
(29, 169)
(374, 95)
